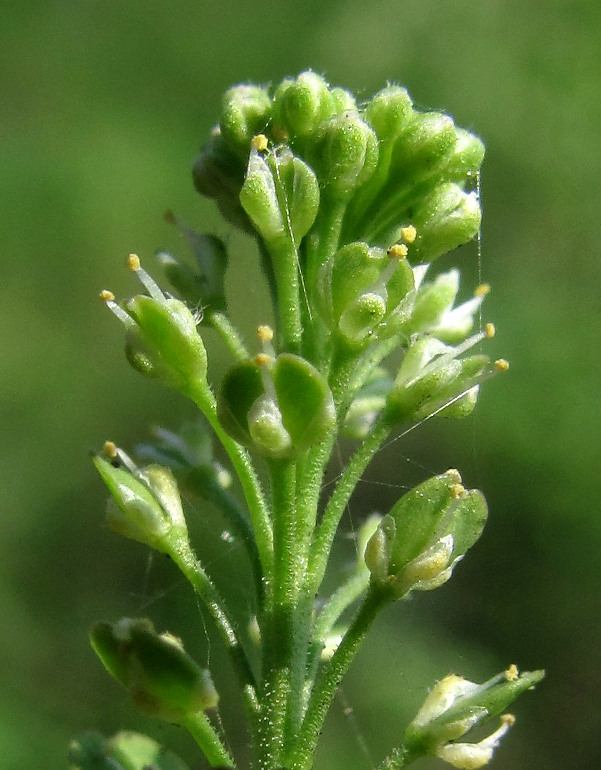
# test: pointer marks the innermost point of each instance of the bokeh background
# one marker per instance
(104, 106)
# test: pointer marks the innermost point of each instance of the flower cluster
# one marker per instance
(351, 205)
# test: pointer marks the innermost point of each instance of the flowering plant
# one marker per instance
(351, 205)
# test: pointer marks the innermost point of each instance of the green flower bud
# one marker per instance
(455, 706)
(246, 111)
(145, 503)
(344, 154)
(423, 150)
(280, 195)
(279, 406)
(219, 174)
(366, 293)
(447, 218)
(300, 105)
(206, 286)
(160, 677)
(425, 534)
(466, 159)
(344, 101)
(389, 112)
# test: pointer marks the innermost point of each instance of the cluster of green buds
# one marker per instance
(350, 205)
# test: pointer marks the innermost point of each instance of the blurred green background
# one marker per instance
(104, 106)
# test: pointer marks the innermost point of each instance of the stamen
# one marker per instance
(501, 365)
(512, 673)
(265, 336)
(453, 475)
(265, 333)
(262, 359)
(457, 491)
(398, 251)
(489, 330)
(110, 449)
(482, 290)
(109, 299)
(259, 143)
(408, 234)
(133, 262)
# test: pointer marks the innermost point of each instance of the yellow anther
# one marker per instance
(110, 449)
(489, 330)
(507, 719)
(259, 142)
(482, 290)
(501, 365)
(265, 333)
(457, 491)
(262, 359)
(512, 673)
(107, 296)
(454, 475)
(133, 262)
(398, 251)
(408, 234)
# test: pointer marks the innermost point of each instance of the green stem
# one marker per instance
(322, 543)
(230, 335)
(279, 622)
(301, 756)
(184, 558)
(206, 737)
(398, 758)
(251, 487)
(284, 258)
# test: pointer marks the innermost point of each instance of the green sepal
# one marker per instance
(165, 344)
(160, 677)
(246, 111)
(240, 389)
(431, 378)
(296, 413)
(124, 751)
(432, 300)
(448, 217)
